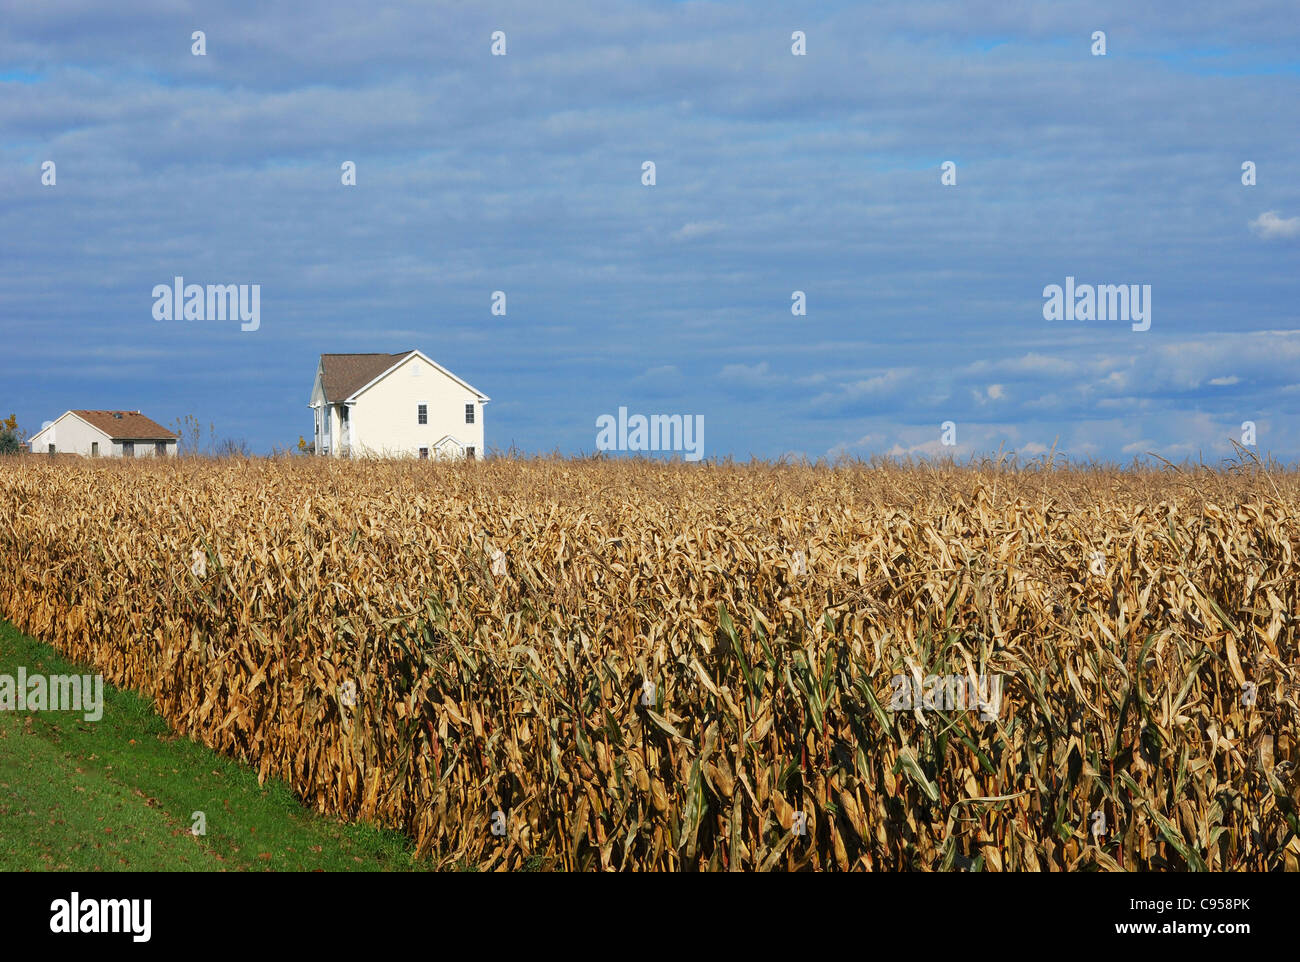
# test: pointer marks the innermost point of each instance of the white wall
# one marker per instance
(71, 435)
(385, 421)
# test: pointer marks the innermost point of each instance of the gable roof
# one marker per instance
(344, 376)
(126, 425)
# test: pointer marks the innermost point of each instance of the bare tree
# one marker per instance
(233, 448)
(191, 434)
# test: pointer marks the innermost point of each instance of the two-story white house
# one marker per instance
(394, 405)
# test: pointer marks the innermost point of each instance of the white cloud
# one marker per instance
(931, 449)
(880, 384)
(864, 443)
(750, 375)
(812, 379)
(1225, 381)
(1029, 364)
(652, 373)
(1268, 225)
(697, 229)
(1140, 447)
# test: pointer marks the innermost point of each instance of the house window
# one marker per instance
(128, 449)
(469, 452)
(422, 414)
(469, 414)
(160, 448)
(51, 449)
(94, 449)
(424, 454)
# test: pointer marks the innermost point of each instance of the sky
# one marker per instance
(774, 173)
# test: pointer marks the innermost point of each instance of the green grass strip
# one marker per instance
(118, 795)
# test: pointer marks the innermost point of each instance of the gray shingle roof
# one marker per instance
(344, 374)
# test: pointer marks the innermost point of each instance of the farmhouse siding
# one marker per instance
(385, 419)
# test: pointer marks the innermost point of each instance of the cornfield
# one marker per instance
(631, 665)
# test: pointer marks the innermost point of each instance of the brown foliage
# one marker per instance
(498, 621)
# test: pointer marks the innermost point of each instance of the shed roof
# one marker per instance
(126, 425)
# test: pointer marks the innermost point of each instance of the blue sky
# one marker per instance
(775, 173)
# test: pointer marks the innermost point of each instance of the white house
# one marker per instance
(110, 434)
(394, 405)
